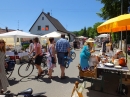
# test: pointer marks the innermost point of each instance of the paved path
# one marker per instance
(55, 87)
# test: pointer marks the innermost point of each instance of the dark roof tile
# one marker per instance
(4, 30)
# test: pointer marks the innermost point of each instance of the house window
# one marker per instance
(47, 28)
(39, 28)
(42, 18)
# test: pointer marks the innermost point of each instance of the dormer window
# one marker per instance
(42, 18)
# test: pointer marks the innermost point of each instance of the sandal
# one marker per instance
(41, 72)
(37, 77)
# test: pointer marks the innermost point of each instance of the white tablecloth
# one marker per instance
(9, 53)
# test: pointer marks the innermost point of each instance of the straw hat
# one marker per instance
(90, 40)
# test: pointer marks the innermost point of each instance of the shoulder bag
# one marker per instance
(52, 58)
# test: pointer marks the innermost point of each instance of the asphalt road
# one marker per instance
(55, 87)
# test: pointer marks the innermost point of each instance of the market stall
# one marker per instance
(103, 35)
(117, 24)
(54, 34)
(14, 36)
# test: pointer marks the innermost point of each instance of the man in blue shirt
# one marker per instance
(63, 49)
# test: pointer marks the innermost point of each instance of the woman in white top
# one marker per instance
(31, 46)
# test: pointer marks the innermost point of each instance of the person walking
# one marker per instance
(105, 41)
(38, 56)
(3, 79)
(75, 44)
(62, 49)
(51, 60)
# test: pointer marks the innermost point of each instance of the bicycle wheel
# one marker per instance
(25, 69)
(73, 55)
(9, 73)
(44, 62)
(66, 64)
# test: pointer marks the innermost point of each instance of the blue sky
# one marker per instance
(73, 14)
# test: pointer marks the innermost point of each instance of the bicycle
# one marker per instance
(44, 61)
(67, 62)
(26, 93)
(72, 54)
(29, 64)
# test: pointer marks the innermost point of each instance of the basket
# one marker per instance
(88, 73)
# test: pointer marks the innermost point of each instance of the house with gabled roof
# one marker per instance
(45, 24)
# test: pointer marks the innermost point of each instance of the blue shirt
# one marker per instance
(62, 45)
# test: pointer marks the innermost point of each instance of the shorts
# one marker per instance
(38, 59)
(61, 59)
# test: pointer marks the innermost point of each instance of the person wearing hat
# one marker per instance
(86, 53)
(90, 43)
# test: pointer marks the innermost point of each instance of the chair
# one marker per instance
(88, 74)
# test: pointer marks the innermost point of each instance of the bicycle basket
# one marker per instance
(11, 65)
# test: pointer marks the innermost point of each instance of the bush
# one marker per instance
(25, 46)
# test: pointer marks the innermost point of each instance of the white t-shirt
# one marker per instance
(31, 46)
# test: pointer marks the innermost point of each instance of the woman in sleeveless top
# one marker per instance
(38, 56)
(3, 79)
(51, 60)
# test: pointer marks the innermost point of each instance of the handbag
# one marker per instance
(52, 58)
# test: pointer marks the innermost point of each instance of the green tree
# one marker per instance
(76, 33)
(95, 28)
(81, 32)
(112, 8)
(84, 32)
(90, 31)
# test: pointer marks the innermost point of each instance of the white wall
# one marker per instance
(42, 23)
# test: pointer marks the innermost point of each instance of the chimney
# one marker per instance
(48, 13)
(6, 28)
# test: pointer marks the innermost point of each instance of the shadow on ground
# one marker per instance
(13, 81)
(66, 80)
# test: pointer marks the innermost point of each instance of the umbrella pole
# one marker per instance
(126, 46)
(126, 56)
